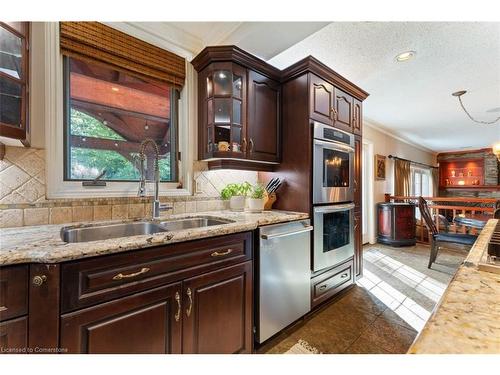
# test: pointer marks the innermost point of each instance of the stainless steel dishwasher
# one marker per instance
(284, 276)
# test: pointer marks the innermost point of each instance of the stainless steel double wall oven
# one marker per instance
(333, 195)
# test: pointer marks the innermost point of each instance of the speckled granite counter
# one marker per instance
(467, 319)
(43, 244)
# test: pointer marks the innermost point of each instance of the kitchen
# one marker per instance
(157, 200)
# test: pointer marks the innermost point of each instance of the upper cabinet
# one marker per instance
(321, 97)
(263, 118)
(343, 111)
(238, 109)
(14, 80)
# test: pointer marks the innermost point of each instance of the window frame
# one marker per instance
(54, 137)
(66, 123)
(7, 130)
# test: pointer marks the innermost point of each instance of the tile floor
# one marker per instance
(385, 311)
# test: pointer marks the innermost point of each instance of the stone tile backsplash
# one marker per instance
(23, 201)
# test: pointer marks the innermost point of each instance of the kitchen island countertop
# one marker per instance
(43, 244)
(467, 319)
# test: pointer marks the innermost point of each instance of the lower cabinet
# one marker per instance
(14, 335)
(217, 316)
(209, 313)
(147, 322)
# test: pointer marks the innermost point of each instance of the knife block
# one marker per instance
(269, 199)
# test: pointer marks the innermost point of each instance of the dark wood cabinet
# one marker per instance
(218, 311)
(13, 292)
(188, 297)
(147, 322)
(321, 100)
(263, 118)
(357, 121)
(396, 224)
(14, 335)
(358, 198)
(239, 109)
(343, 113)
(14, 83)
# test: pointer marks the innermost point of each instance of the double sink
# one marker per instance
(135, 228)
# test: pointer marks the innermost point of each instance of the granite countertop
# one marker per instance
(43, 244)
(467, 319)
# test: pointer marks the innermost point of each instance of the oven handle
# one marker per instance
(341, 207)
(334, 145)
(307, 228)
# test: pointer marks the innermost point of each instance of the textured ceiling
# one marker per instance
(413, 99)
(263, 39)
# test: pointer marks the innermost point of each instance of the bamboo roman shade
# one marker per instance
(98, 42)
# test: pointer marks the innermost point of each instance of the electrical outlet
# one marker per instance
(199, 187)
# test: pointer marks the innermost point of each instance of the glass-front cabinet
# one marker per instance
(239, 107)
(224, 110)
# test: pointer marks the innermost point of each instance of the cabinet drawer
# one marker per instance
(13, 335)
(331, 282)
(13, 291)
(97, 280)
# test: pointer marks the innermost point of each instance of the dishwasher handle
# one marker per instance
(306, 228)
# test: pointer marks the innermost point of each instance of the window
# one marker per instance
(108, 113)
(14, 78)
(421, 184)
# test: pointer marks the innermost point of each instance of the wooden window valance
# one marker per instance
(98, 42)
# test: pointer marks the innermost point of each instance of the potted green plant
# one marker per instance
(236, 193)
(256, 200)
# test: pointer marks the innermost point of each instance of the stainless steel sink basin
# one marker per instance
(105, 232)
(193, 222)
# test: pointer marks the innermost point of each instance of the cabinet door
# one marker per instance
(217, 311)
(147, 322)
(358, 244)
(263, 128)
(343, 111)
(358, 149)
(13, 336)
(321, 97)
(357, 121)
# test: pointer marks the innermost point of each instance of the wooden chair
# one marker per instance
(437, 237)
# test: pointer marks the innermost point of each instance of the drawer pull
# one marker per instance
(344, 275)
(39, 280)
(122, 276)
(221, 253)
(178, 300)
(322, 287)
(3, 308)
(188, 310)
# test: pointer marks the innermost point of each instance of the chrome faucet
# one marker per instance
(157, 206)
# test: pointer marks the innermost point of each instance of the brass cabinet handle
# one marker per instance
(221, 253)
(244, 145)
(39, 280)
(178, 300)
(122, 276)
(251, 145)
(188, 310)
(3, 308)
(334, 112)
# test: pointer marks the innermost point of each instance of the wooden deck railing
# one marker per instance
(445, 209)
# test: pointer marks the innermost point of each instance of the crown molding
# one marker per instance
(381, 129)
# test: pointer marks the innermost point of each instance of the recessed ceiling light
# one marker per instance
(405, 56)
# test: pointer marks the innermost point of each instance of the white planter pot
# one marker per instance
(237, 203)
(255, 205)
